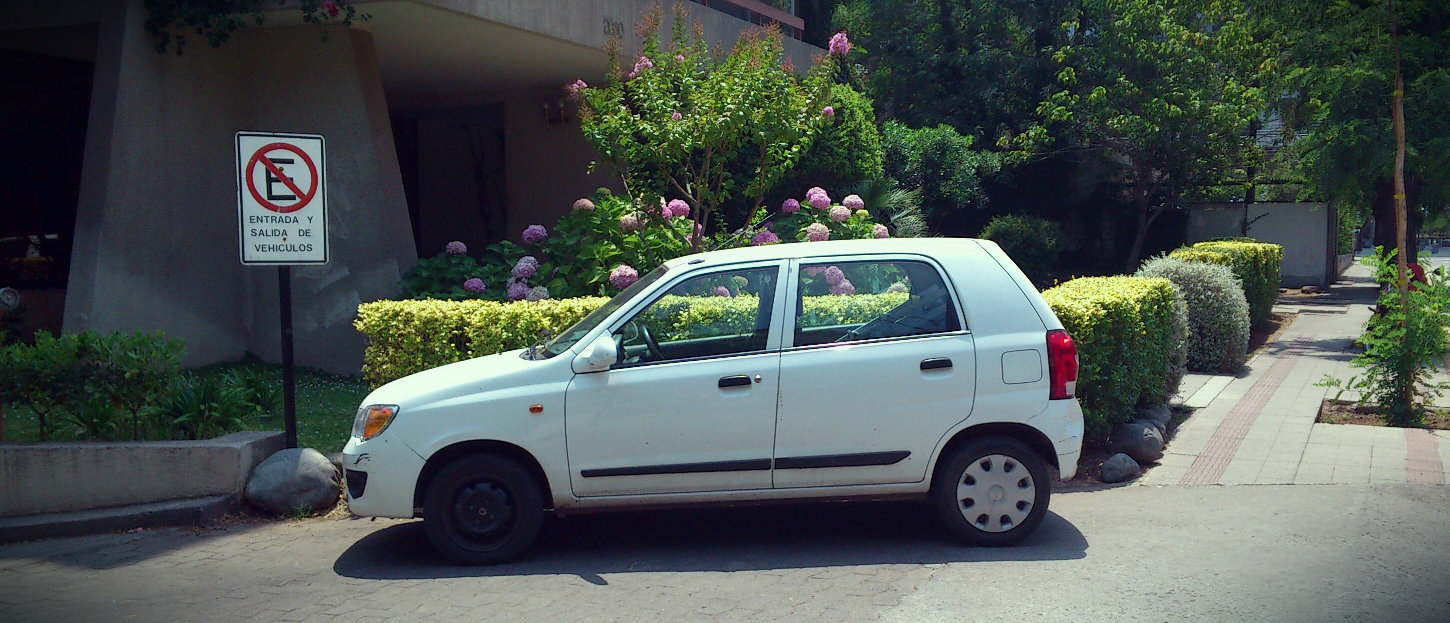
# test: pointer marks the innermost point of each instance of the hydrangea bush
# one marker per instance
(605, 243)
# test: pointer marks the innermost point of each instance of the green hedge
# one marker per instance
(1256, 264)
(1124, 331)
(405, 337)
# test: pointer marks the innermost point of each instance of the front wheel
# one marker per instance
(482, 510)
(992, 491)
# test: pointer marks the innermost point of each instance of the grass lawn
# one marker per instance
(326, 404)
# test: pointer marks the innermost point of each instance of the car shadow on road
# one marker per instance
(728, 539)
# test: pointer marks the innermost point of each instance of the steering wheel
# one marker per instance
(651, 344)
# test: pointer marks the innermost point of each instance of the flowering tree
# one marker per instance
(674, 122)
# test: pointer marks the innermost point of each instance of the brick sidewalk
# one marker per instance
(1258, 427)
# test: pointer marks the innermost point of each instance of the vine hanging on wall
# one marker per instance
(168, 21)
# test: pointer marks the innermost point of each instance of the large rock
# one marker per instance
(1119, 468)
(291, 479)
(1158, 413)
(1138, 439)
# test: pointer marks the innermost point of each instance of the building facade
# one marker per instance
(443, 120)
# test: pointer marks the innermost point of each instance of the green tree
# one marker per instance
(941, 163)
(1336, 86)
(1163, 89)
(979, 67)
(676, 121)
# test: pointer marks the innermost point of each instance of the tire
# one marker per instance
(992, 491)
(482, 510)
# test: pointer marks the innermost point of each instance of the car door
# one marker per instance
(877, 366)
(690, 406)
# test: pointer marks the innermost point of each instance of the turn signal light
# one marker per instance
(372, 420)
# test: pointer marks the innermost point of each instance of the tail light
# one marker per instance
(1061, 364)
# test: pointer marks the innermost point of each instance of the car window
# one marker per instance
(711, 315)
(848, 301)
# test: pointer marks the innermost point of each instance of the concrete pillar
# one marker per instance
(156, 232)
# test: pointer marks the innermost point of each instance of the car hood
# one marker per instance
(470, 377)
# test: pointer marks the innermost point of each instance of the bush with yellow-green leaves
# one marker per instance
(405, 337)
(1256, 264)
(1124, 331)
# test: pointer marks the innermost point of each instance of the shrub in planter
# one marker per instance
(1256, 264)
(1218, 314)
(1123, 328)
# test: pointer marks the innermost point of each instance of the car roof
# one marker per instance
(934, 247)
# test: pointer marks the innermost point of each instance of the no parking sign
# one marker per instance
(281, 198)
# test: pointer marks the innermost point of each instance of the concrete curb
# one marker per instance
(189, 511)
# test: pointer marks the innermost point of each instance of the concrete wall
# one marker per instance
(156, 230)
(587, 23)
(60, 477)
(1306, 230)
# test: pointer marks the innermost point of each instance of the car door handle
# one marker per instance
(936, 363)
(734, 381)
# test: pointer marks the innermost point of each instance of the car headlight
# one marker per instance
(372, 420)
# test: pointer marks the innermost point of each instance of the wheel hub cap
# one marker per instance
(996, 493)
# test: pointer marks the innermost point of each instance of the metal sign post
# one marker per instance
(282, 221)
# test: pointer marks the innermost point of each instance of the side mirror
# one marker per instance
(598, 356)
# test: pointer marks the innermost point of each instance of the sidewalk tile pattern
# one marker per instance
(1224, 444)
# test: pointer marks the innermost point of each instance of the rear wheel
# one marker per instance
(992, 491)
(482, 510)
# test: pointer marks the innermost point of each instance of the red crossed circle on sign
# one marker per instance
(303, 197)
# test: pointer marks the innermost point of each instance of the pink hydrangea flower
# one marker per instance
(816, 190)
(534, 234)
(330, 7)
(525, 267)
(839, 44)
(575, 88)
(845, 288)
(853, 202)
(455, 248)
(536, 293)
(628, 223)
(820, 202)
(764, 237)
(791, 206)
(816, 232)
(676, 116)
(623, 276)
(722, 291)
(834, 276)
(583, 203)
(677, 208)
(812, 271)
(879, 231)
(474, 284)
(518, 290)
(829, 111)
(642, 64)
(840, 214)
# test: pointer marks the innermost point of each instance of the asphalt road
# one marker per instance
(1135, 553)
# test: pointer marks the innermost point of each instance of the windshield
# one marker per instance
(568, 337)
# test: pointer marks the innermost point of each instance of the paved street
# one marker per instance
(1222, 553)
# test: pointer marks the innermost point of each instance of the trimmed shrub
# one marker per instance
(1033, 243)
(1218, 314)
(1123, 328)
(405, 337)
(1256, 264)
(942, 163)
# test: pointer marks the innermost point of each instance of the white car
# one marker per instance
(927, 368)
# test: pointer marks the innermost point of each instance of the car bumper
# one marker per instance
(1067, 441)
(383, 473)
